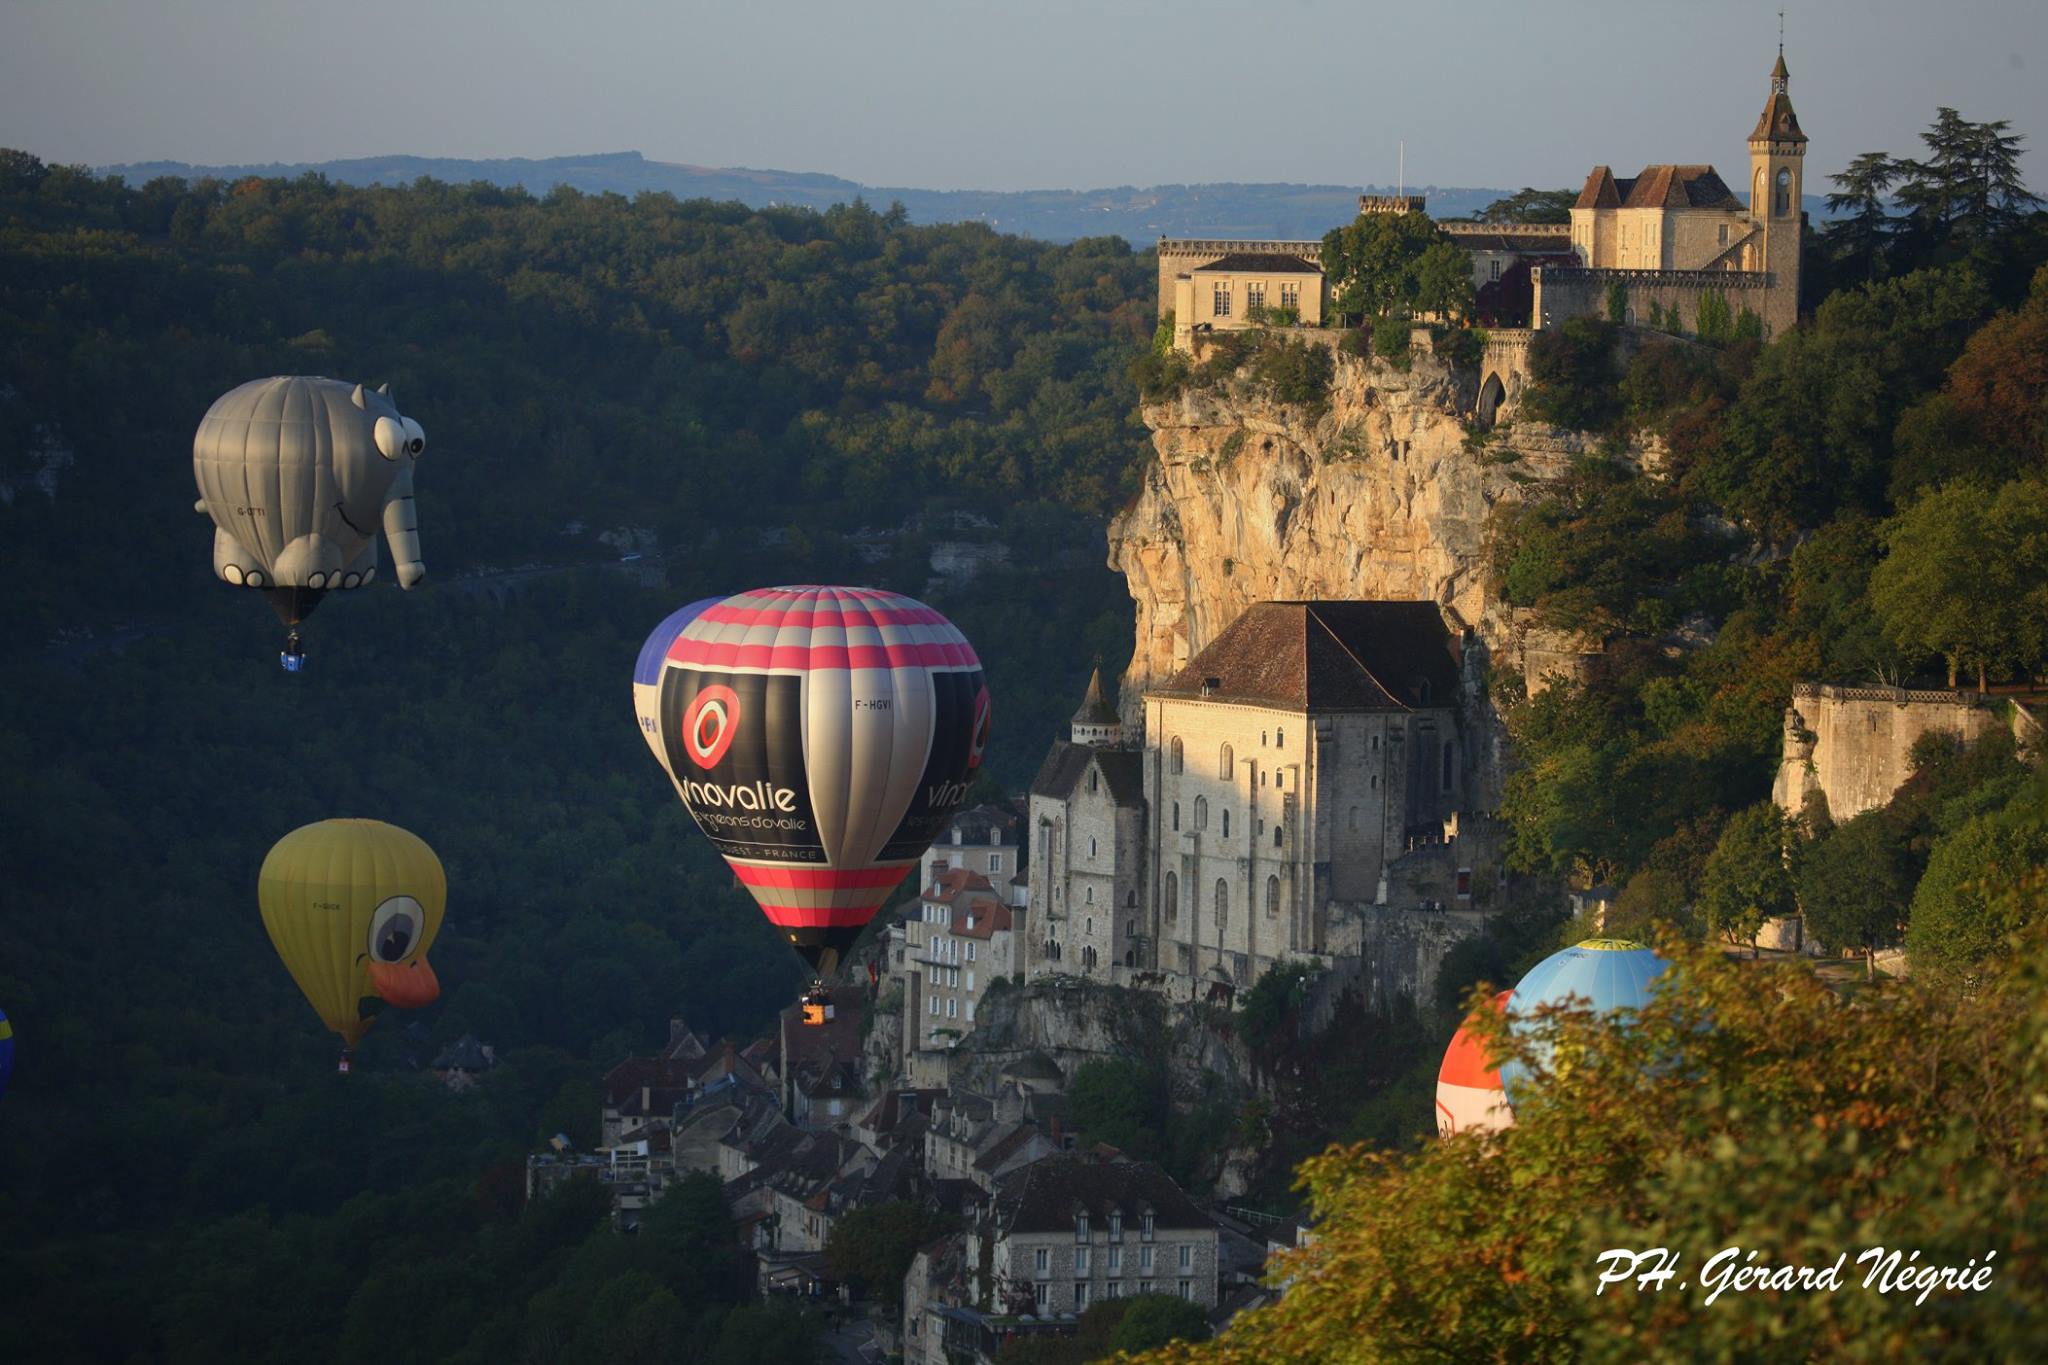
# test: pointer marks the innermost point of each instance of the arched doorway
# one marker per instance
(1492, 394)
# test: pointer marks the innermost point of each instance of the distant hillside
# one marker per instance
(1137, 215)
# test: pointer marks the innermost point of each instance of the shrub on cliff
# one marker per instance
(1294, 371)
(1571, 373)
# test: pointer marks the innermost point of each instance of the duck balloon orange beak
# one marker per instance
(406, 985)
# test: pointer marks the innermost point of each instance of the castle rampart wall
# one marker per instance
(1854, 744)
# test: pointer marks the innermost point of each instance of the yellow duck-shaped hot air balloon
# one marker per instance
(352, 907)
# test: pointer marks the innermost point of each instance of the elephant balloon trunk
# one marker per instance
(402, 530)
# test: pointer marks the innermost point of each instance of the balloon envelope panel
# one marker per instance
(647, 674)
(821, 738)
(1469, 1093)
(1603, 973)
(350, 904)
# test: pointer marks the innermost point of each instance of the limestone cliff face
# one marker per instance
(1381, 494)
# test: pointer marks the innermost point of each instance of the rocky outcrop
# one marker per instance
(1383, 492)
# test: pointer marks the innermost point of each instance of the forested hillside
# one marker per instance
(776, 396)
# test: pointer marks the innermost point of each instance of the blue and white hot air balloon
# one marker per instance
(1603, 974)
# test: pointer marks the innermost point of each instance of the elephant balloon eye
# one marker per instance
(391, 436)
(395, 928)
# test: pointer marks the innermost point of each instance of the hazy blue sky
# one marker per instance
(1056, 93)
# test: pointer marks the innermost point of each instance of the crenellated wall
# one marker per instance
(1854, 744)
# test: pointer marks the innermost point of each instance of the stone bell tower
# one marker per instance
(1777, 157)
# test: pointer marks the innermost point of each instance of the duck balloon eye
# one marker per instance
(395, 928)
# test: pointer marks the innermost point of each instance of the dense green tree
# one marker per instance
(1855, 884)
(1152, 1320)
(1746, 880)
(1983, 885)
(871, 1248)
(1571, 374)
(1393, 263)
(1528, 205)
(1965, 577)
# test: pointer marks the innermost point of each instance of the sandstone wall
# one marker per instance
(1377, 496)
(1854, 744)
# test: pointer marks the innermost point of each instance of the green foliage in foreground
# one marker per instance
(1777, 1117)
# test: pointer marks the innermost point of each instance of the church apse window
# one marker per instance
(1279, 739)
(1272, 898)
(1226, 763)
(1176, 817)
(1201, 814)
(1175, 755)
(1226, 824)
(1276, 836)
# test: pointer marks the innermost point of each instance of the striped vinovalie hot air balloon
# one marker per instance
(821, 738)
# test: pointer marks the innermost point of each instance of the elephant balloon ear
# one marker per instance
(357, 397)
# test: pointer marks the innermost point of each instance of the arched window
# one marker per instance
(1226, 763)
(1279, 778)
(1222, 903)
(1091, 846)
(1131, 899)
(1375, 743)
(1756, 193)
(1176, 817)
(1276, 836)
(1783, 202)
(1279, 739)
(1089, 896)
(1272, 898)
(1172, 898)
(1174, 755)
(1226, 823)
(1262, 739)
(1201, 814)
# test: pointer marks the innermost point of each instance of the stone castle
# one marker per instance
(1669, 238)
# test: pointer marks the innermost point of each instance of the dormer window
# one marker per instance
(1145, 1227)
(1080, 1227)
(1116, 1225)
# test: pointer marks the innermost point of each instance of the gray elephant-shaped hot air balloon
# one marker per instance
(296, 473)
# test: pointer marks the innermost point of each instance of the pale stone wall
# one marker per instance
(1562, 294)
(1201, 298)
(1016, 1261)
(1087, 883)
(1853, 744)
(1183, 255)
(1315, 810)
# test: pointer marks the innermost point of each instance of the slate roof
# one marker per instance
(1045, 1196)
(1507, 239)
(1094, 709)
(1261, 262)
(1327, 656)
(1064, 766)
(981, 825)
(1662, 186)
